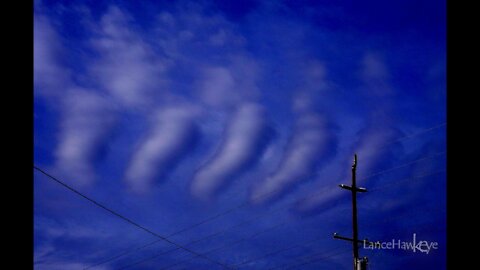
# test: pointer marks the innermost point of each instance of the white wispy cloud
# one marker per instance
(86, 121)
(127, 67)
(217, 87)
(86, 116)
(321, 199)
(310, 141)
(372, 138)
(375, 74)
(224, 87)
(372, 154)
(227, 86)
(243, 143)
(187, 30)
(378, 128)
(134, 75)
(50, 78)
(374, 146)
(172, 135)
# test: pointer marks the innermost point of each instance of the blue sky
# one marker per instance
(173, 112)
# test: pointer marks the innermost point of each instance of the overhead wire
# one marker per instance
(230, 210)
(228, 245)
(128, 220)
(297, 245)
(416, 177)
(323, 255)
(375, 174)
(195, 241)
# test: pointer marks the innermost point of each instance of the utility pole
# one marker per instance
(358, 264)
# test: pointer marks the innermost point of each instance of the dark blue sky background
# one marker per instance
(172, 112)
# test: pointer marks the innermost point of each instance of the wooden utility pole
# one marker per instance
(354, 211)
(358, 264)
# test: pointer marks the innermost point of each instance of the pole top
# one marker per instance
(354, 165)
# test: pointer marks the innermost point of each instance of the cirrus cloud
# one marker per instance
(173, 134)
(311, 141)
(244, 141)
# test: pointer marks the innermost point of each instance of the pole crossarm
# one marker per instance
(364, 241)
(357, 189)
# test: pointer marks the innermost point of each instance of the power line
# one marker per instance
(395, 168)
(158, 240)
(222, 213)
(246, 203)
(357, 261)
(127, 219)
(403, 165)
(228, 245)
(248, 261)
(417, 133)
(113, 258)
(243, 204)
(313, 260)
(310, 256)
(396, 217)
(405, 180)
(380, 173)
(194, 242)
(254, 259)
(292, 203)
(409, 136)
(248, 221)
(239, 206)
(328, 255)
(183, 230)
(383, 222)
(168, 236)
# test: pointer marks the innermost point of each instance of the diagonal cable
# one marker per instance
(127, 219)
